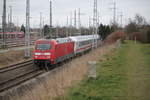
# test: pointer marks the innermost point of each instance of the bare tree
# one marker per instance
(131, 27)
(138, 27)
(140, 20)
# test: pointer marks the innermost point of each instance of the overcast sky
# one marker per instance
(63, 8)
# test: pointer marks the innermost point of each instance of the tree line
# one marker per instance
(53, 32)
(138, 28)
(105, 30)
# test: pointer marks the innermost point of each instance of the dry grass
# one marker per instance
(70, 74)
(113, 37)
(11, 57)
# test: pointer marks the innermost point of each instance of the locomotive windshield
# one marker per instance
(43, 46)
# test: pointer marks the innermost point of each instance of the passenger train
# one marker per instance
(53, 51)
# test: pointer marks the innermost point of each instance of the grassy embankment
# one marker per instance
(123, 75)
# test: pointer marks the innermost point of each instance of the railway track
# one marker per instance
(14, 75)
(19, 44)
(16, 43)
(15, 66)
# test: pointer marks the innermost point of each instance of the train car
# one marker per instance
(12, 35)
(84, 43)
(20, 34)
(53, 51)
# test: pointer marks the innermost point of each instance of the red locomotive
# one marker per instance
(57, 50)
(52, 51)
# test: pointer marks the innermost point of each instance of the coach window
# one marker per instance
(43, 46)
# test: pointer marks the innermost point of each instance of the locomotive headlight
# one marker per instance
(47, 54)
(37, 54)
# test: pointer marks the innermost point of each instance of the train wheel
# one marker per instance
(46, 66)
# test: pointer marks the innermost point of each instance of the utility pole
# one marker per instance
(70, 24)
(10, 18)
(71, 19)
(27, 34)
(75, 20)
(114, 11)
(50, 13)
(98, 18)
(94, 16)
(50, 17)
(18, 22)
(67, 32)
(90, 25)
(4, 23)
(94, 20)
(57, 30)
(79, 20)
(121, 16)
(98, 21)
(8, 22)
(41, 25)
(89, 21)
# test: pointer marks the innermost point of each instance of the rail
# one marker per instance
(16, 74)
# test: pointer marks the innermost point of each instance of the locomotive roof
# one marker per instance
(43, 39)
(58, 40)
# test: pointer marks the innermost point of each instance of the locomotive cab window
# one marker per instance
(43, 47)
